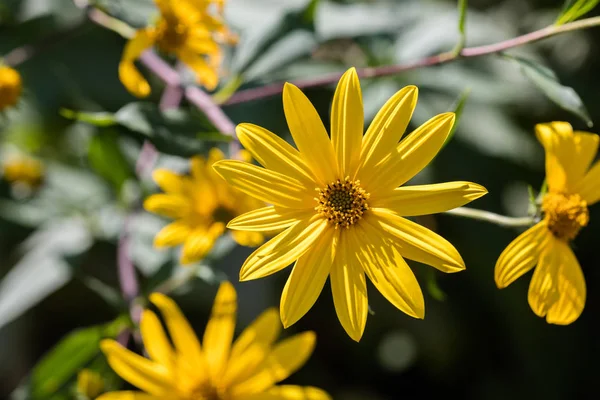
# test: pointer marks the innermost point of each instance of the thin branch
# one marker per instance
(276, 88)
(491, 217)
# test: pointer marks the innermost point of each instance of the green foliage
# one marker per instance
(68, 357)
(106, 157)
(547, 81)
(458, 107)
(462, 19)
(574, 9)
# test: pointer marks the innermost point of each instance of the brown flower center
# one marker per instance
(342, 202)
(171, 35)
(565, 214)
(206, 391)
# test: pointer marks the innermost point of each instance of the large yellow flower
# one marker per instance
(183, 370)
(354, 225)
(10, 87)
(202, 204)
(557, 290)
(186, 29)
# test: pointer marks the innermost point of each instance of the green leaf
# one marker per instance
(432, 286)
(101, 119)
(71, 354)
(574, 9)
(458, 107)
(262, 41)
(547, 81)
(175, 131)
(106, 157)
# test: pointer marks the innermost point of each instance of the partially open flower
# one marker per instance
(10, 87)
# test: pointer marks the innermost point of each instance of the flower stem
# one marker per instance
(276, 88)
(491, 217)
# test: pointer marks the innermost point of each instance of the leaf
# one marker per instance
(432, 286)
(101, 119)
(174, 131)
(106, 157)
(574, 9)
(547, 81)
(71, 354)
(257, 43)
(137, 13)
(458, 107)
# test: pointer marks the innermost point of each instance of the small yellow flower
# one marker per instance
(10, 87)
(557, 290)
(89, 384)
(184, 370)
(186, 29)
(339, 206)
(23, 170)
(202, 204)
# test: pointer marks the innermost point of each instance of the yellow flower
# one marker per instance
(23, 170)
(10, 87)
(354, 225)
(186, 29)
(557, 289)
(89, 384)
(185, 370)
(202, 204)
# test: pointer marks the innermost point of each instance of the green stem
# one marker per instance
(491, 217)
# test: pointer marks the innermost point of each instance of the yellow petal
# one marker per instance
(568, 155)
(127, 395)
(309, 134)
(248, 239)
(266, 185)
(388, 126)
(168, 205)
(155, 340)
(199, 242)
(521, 255)
(411, 155)
(128, 73)
(292, 392)
(268, 219)
(285, 359)
(347, 122)
(219, 330)
(274, 153)
(418, 243)
(429, 199)
(571, 290)
(589, 187)
(206, 75)
(388, 271)
(172, 234)
(308, 278)
(137, 370)
(283, 249)
(181, 333)
(169, 181)
(349, 288)
(252, 347)
(543, 288)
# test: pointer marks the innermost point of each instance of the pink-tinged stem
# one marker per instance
(276, 88)
(126, 271)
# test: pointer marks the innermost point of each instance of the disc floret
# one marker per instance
(342, 202)
(565, 214)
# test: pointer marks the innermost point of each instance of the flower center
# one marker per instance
(342, 202)
(205, 391)
(171, 35)
(565, 214)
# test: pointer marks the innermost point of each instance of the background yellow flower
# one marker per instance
(186, 29)
(557, 290)
(202, 204)
(183, 369)
(10, 87)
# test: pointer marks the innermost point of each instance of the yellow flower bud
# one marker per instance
(89, 384)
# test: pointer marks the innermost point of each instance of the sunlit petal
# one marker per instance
(219, 330)
(543, 289)
(155, 340)
(128, 73)
(173, 234)
(268, 219)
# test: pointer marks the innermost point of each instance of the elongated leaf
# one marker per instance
(108, 160)
(458, 107)
(71, 354)
(574, 9)
(547, 81)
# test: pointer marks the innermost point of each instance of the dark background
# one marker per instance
(478, 343)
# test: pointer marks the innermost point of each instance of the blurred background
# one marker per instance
(58, 239)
